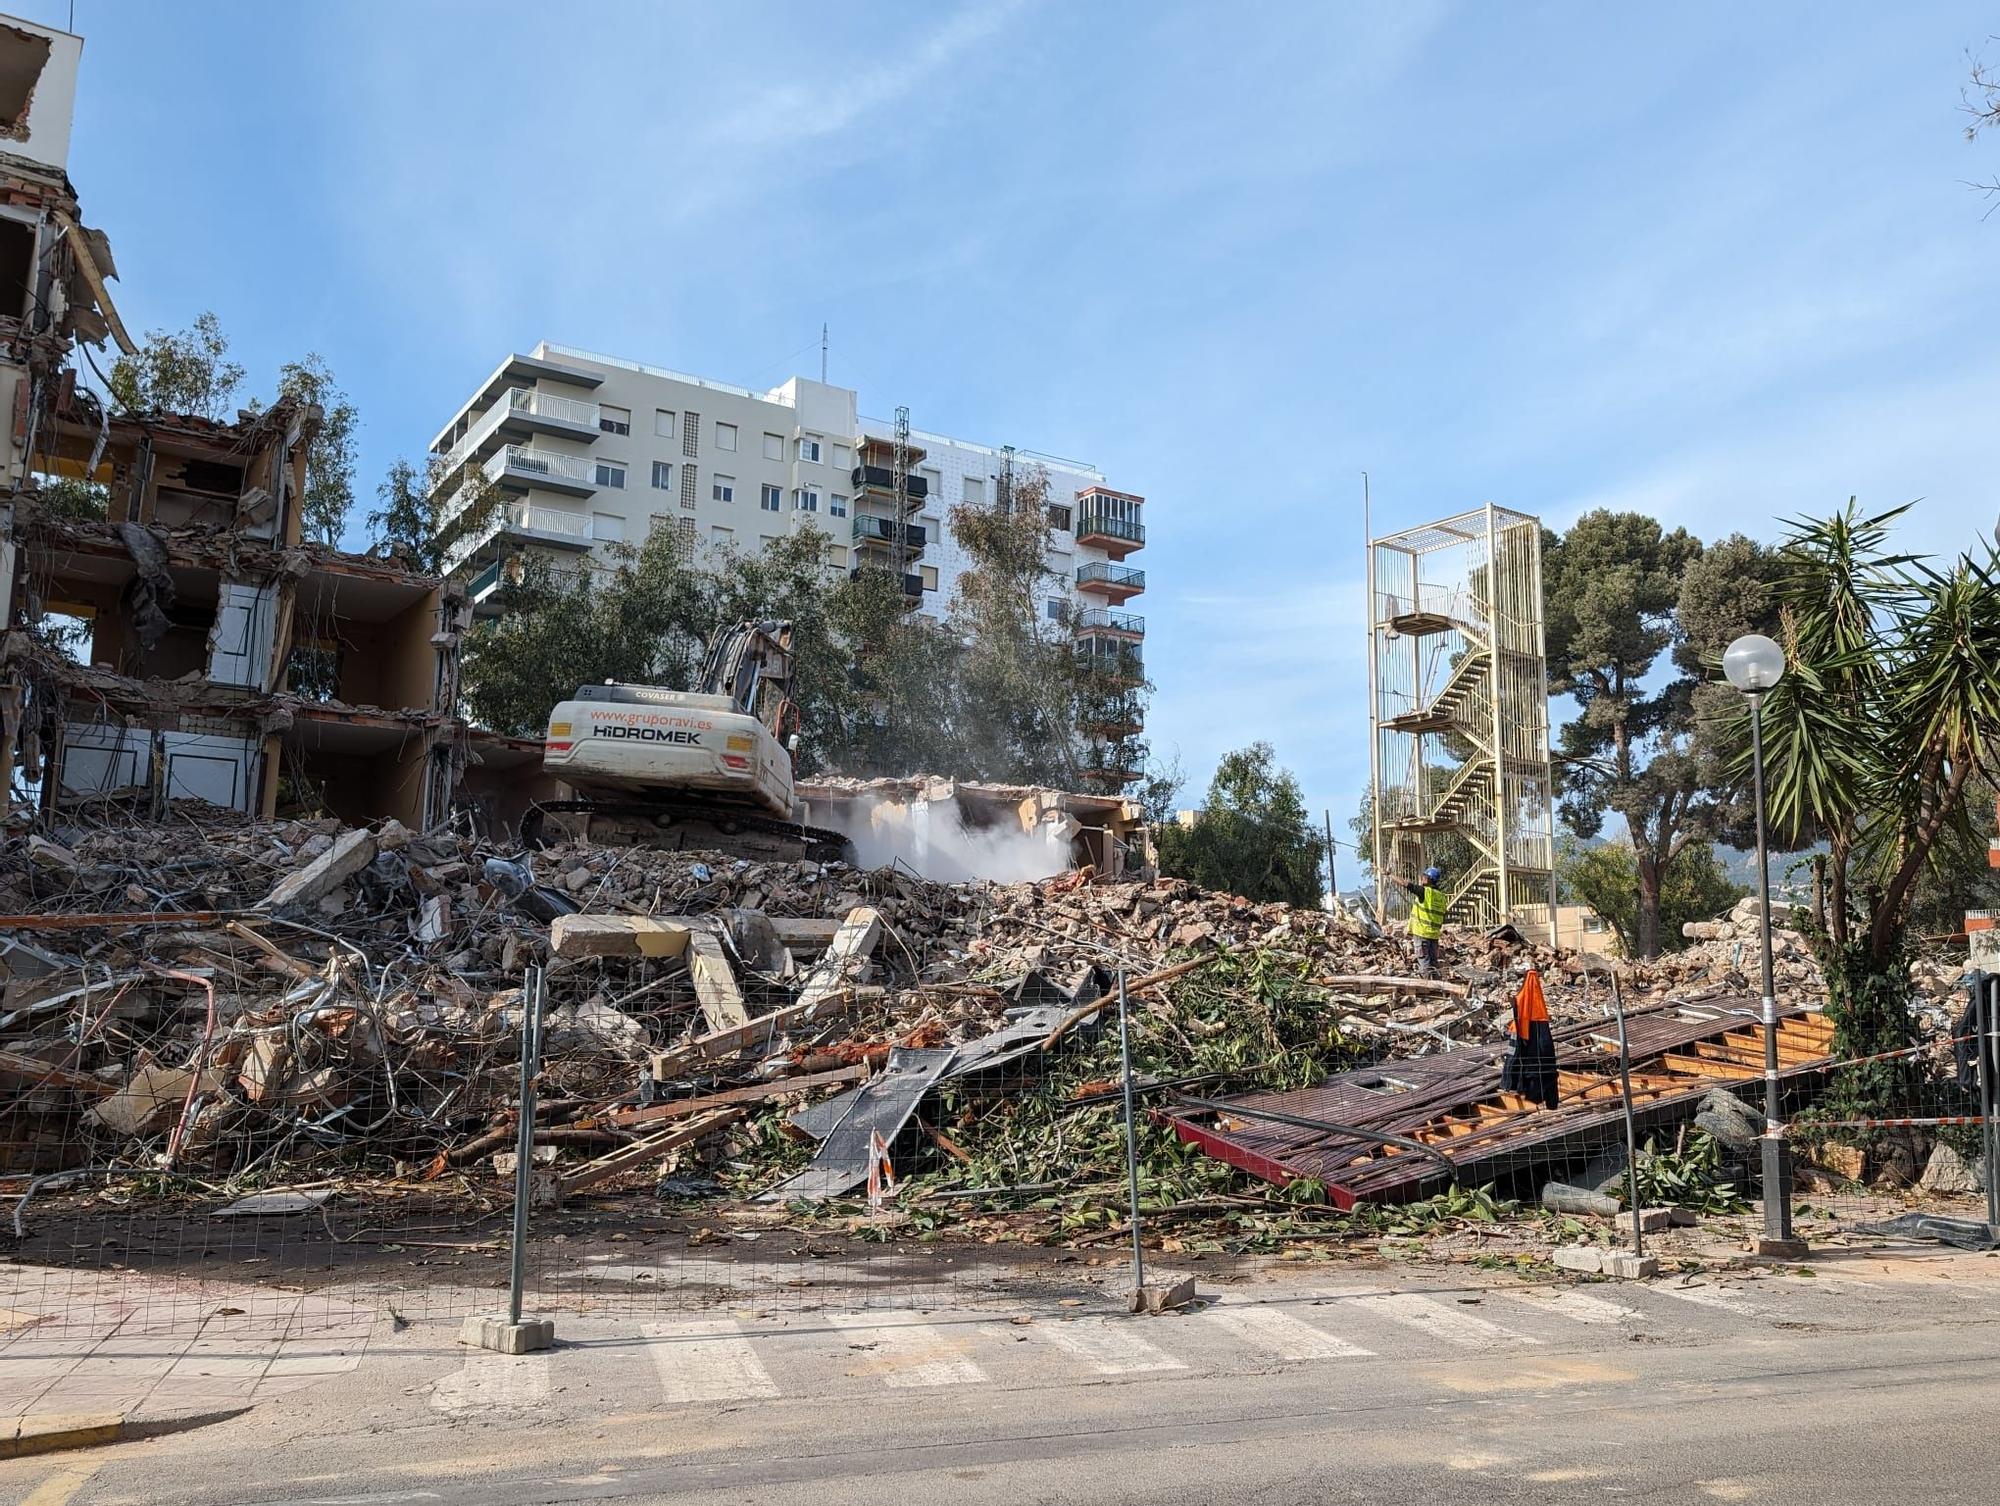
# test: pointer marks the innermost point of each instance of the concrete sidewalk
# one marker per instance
(80, 1351)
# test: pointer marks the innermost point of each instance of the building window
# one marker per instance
(660, 522)
(611, 473)
(614, 420)
(933, 479)
(929, 573)
(690, 433)
(723, 489)
(843, 457)
(1059, 517)
(687, 488)
(806, 499)
(663, 422)
(607, 527)
(684, 541)
(975, 490)
(773, 499)
(663, 475)
(1053, 609)
(725, 437)
(809, 449)
(837, 506)
(836, 556)
(766, 540)
(722, 538)
(774, 447)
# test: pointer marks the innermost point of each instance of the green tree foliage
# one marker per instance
(1888, 718)
(994, 693)
(1620, 592)
(68, 497)
(330, 452)
(1253, 835)
(1022, 685)
(179, 371)
(1606, 878)
(405, 518)
(642, 621)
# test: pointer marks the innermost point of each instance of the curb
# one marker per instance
(56, 1432)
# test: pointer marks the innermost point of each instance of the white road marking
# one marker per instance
(909, 1352)
(1723, 1298)
(707, 1359)
(1287, 1336)
(1108, 1345)
(494, 1380)
(1581, 1307)
(1442, 1320)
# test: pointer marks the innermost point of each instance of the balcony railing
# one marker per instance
(570, 410)
(1102, 573)
(1113, 658)
(520, 400)
(882, 478)
(913, 585)
(1128, 757)
(1093, 618)
(521, 517)
(519, 462)
(1104, 526)
(869, 530)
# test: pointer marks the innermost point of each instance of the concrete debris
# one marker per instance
(764, 1029)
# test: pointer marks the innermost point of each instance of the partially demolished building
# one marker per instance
(187, 643)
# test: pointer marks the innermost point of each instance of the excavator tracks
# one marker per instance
(693, 825)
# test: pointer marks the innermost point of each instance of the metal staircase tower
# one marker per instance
(1459, 717)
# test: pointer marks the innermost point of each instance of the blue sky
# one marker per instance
(1716, 262)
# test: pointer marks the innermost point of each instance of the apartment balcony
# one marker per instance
(1117, 662)
(520, 523)
(1112, 765)
(1127, 625)
(1111, 718)
(523, 413)
(913, 585)
(880, 533)
(1116, 536)
(1117, 584)
(880, 480)
(519, 465)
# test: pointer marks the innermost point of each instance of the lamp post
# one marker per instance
(1754, 665)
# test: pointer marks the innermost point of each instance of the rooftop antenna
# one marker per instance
(822, 355)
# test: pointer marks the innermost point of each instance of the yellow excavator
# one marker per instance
(708, 768)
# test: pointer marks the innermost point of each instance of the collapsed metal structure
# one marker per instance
(1459, 716)
(1389, 1132)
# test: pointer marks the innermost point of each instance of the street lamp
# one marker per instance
(1754, 665)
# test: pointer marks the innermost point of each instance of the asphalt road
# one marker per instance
(1844, 1388)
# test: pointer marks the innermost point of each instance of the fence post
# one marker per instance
(1131, 1147)
(513, 1334)
(1631, 1127)
(1986, 1026)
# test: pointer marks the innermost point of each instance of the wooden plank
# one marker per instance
(715, 982)
(721, 1044)
(762, 1092)
(54, 1076)
(641, 1152)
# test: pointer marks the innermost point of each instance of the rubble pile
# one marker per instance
(1726, 959)
(220, 997)
(236, 1001)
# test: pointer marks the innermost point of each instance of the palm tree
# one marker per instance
(1888, 713)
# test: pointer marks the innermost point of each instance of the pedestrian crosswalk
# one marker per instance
(749, 1358)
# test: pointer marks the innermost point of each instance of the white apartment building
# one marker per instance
(593, 452)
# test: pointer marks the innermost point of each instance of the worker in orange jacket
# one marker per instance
(1530, 1069)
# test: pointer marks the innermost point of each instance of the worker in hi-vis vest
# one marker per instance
(1426, 917)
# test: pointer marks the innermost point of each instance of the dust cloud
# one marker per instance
(930, 839)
